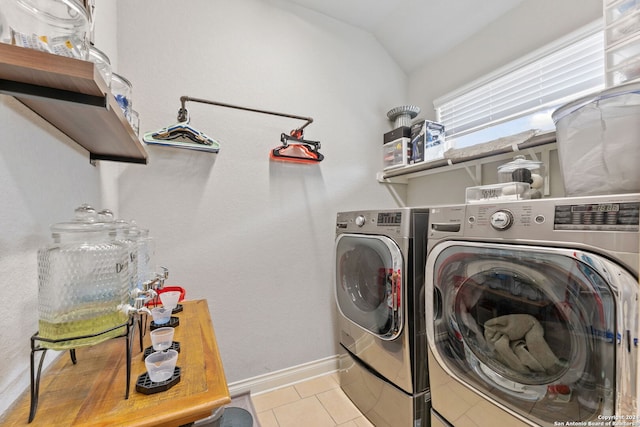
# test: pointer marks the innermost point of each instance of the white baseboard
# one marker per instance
(284, 377)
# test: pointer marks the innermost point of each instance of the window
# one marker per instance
(522, 95)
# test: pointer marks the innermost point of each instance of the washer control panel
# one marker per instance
(607, 224)
(537, 219)
(623, 216)
(499, 218)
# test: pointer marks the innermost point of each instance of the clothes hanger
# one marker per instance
(293, 149)
(182, 135)
(296, 149)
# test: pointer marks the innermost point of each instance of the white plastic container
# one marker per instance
(503, 192)
(161, 315)
(170, 299)
(598, 140)
(161, 365)
(396, 150)
(162, 338)
(622, 41)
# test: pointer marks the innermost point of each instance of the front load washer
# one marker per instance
(379, 289)
(532, 312)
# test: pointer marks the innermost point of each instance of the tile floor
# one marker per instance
(319, 402)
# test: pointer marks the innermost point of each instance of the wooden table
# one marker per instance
(91, 393)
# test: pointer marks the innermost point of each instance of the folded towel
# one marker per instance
(504, 144)
(518, 340)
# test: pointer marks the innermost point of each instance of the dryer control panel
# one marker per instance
(394, 223)
(374, 222)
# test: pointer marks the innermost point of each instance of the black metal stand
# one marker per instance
(35, 347)
(142, 329)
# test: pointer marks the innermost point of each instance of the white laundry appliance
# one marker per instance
(379, 285)
(532, 312)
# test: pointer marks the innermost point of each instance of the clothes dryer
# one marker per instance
(379, 288)
(532, 312)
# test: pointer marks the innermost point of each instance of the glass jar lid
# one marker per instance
(85, 220)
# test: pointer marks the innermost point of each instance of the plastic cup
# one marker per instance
(162, 338)
(161, 364)
(170, 299)
(161, 315)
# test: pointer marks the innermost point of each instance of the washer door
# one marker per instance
(369, 283)
(546, 333)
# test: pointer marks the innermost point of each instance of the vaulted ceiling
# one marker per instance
(414, 31)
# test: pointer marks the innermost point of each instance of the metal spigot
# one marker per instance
(148, 294)
(164, 275)
(140, 306)
(137, 308)
(158, 281)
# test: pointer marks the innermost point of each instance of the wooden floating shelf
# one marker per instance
(72, 96)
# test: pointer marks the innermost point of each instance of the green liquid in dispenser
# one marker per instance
(76, 328)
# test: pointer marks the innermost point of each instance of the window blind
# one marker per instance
(553, 77)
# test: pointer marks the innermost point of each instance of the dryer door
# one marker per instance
(549, 334)
(369, 283)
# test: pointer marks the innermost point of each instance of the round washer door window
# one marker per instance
(503, 310)
(538, 329)
(369, 283)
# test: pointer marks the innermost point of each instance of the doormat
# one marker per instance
(232, 417)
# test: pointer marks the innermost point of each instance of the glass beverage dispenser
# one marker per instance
(83, 283)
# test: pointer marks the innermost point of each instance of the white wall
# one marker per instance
(523, 29)
(252, 236)
(44, 176)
